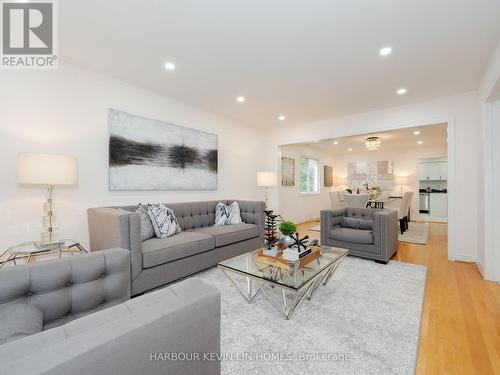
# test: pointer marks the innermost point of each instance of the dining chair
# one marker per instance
(403, 210)
(356, 200)
(407, 208)
(335, 201)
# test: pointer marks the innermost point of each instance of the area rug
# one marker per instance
(365, 321)
(417, 233)
(315, 229)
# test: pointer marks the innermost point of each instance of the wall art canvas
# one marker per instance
(287, 171)
(328, 176)
(379, 173)
(147, 154)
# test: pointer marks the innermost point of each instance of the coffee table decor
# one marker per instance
(270, 233)
(284, 283)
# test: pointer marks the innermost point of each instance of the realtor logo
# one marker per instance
(29, 37)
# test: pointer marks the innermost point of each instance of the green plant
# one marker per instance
(287, 228)
(348, 190)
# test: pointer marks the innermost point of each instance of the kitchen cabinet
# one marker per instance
(435, 171)
(438, 205)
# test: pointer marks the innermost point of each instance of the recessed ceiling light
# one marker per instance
(281, 118)
(420, 142)
(169, 65)
(416, 132)
(240, 99)
(385, 51)
(401, 91)
(335, 142)
(349, 149)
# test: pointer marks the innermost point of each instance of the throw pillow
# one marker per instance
(227, 214)
(19, 320)
(147, 230)
(164, 221)
(353, 223)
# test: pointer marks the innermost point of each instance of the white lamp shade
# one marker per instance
(46, 169)
(401, 180)
(266, 179)
(340, 180)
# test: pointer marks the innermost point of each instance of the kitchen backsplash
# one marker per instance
(433, 184)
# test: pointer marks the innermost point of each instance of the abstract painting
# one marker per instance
(287, 171)
(147, 154)
(328, 176)
(379, 173)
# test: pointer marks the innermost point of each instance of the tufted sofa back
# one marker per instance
(191, 215)
(362, 213)
(67, 288)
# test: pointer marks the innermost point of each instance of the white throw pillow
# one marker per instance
(227, 214)
(164, 221)
(147, 230)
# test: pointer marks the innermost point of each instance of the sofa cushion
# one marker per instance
(19, 320)
(164, 221)
(352, 222)
(157, 251)
(229, 234)
(352, 235)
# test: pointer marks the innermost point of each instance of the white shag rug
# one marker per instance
(416, 233)
(315, 229)
(366, 320)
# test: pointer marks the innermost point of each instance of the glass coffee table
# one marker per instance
(284, 284)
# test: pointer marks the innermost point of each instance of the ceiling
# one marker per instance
(431, 136)
(308, 60)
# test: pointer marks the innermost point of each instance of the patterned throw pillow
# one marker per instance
(227, 214)
(163, 219)
(147, 230)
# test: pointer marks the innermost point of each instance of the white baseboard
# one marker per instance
(480, 267)
(466, 258)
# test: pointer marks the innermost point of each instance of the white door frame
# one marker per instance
(489, 269)
(451, 172)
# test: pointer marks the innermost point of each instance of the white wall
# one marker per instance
(65, 111)
(298, 207)
(462, 112)
(405, 164)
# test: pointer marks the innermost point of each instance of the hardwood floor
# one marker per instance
(460, 330)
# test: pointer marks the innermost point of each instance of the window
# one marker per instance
(309, 175)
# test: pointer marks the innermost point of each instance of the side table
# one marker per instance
(29, 250)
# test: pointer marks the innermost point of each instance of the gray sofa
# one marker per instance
(198, 246)
(111, 335)
(366, 232)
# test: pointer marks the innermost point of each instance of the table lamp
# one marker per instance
(50, 170)
(401, 180)
(266, 179)
(340, 181)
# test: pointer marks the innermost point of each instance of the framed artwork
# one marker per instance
(287, 171)
(328, 176)
(147, 154)
(380, 173)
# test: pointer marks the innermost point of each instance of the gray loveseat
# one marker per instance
(112, 335)
(198, 246)
(366, 232)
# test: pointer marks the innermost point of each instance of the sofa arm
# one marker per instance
(252, 212)
(112, 227)
(328, 220)
(385, 232)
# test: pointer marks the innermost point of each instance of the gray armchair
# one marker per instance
(112, 335)
(366, 232)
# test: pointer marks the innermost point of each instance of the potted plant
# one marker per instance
(287, 228)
